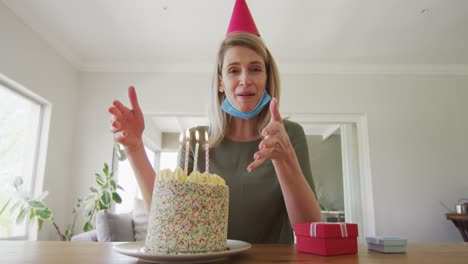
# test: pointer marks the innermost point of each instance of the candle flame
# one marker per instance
(187, 134)
(206, 136)
(196, 135)
(181, 137)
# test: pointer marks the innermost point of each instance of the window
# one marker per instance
(22, 117)
(126, 178)
(168, 160)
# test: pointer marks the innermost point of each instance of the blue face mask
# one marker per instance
(230, 109)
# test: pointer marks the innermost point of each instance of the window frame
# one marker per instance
(115, 168)
(116, 162)
(40, 154)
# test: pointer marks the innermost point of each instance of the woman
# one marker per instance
(263, 158)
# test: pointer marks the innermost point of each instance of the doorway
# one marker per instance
(354, 144)
(350, 130)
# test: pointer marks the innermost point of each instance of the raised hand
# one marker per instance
(127, 125)
(275, 144)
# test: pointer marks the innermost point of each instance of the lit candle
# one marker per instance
(179, 152)
(187, 147)
(195, 166)
(207, 153)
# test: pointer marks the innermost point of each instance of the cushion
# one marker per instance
(140, 219)
(114, 227)
(90, 236)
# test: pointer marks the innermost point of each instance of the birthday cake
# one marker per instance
(188, 215)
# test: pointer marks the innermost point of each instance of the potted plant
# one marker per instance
(101, 197)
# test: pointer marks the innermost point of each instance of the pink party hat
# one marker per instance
(241, 19)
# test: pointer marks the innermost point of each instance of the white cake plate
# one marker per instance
(135, 249)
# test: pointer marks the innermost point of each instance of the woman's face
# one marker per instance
(243, 77)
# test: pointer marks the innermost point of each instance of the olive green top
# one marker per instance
(257, 212)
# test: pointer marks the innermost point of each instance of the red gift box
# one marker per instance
(326, 239)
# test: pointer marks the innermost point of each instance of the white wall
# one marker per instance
(417, 129)
(417, 140)
(28, 60)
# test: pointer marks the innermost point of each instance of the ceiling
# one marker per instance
(304, 35)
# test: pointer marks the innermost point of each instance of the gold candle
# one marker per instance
(195, 166)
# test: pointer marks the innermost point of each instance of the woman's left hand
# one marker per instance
(275, 144)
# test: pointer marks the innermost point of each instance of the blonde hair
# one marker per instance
(219, 120)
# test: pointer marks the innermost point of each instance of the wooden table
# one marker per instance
(461, 222)
(51, 252)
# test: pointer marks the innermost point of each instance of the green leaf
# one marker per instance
(105, 206)
(36, 204)
(68, 233)
(112, 174)
(116, 197)
(99, 180)
(44, 214)
(106, 169)
(120, 187)
(89, 210)
(105, 198)
(39, 223)
(31, 214)
(5, 206)
(113, 185)
(21, 216)
(87, 227)
(92, 189)
(78, 203)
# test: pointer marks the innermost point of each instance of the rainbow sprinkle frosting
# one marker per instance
(188, 215)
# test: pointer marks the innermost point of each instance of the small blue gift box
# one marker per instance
(386, 244)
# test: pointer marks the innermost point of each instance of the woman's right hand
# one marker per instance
(127, 125)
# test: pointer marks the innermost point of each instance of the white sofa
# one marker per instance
(112, 227)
